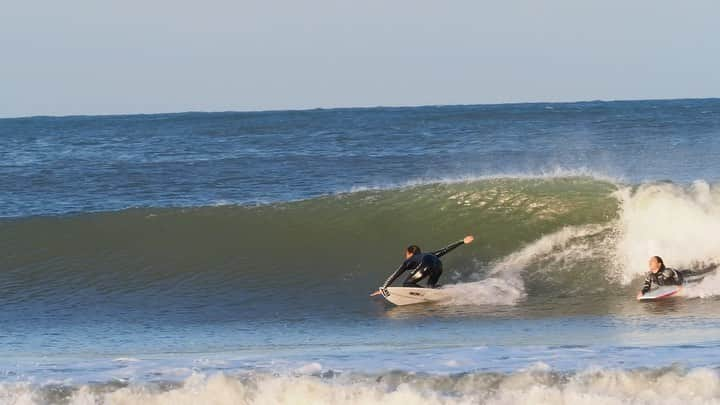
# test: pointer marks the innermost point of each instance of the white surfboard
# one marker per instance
(661, 293)
(414, 295)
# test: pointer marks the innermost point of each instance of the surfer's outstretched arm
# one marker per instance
(449, 248)
(400, 270)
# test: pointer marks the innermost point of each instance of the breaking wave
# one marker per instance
(536, 385)
(541, 236)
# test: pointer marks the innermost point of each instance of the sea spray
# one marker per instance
(504, 284)
(679, 223)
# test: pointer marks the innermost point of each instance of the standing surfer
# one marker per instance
(422, 265)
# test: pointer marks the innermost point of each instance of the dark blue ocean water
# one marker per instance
(79, 164)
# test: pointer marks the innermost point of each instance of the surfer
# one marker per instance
(422, 265)
(660, 275)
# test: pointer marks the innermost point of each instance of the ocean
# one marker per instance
(228, 257)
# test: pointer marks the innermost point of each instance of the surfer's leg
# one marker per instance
(696, 275)
(700, 270)
(416, 276)
(434, 277)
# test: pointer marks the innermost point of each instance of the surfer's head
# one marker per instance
(656, 264)
(411, 251)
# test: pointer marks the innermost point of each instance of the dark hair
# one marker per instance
(660, 260)
(413, 249)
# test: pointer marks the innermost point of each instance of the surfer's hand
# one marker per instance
(378, 292)
(640, 294)
(468, 239)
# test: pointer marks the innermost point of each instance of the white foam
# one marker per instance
(310, 368)
(708, 287)
(535, 385)
(681, 224)
(504, 284)
(126, 360)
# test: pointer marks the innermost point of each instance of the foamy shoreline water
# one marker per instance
(535, 385)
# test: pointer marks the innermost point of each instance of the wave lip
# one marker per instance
(557, 172)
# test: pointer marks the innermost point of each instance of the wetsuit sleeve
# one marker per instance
(396, 274)
(670, 277)
(647, 284)
(447, 249)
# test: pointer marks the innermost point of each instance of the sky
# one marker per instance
(114, 57)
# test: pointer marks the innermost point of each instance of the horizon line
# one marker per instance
(337, 108)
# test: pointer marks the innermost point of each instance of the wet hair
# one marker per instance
(660, 260)
(413, 249)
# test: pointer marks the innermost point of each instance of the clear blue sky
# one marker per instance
(101, 57)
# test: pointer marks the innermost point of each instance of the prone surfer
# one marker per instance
(422, 265)
(659, 275)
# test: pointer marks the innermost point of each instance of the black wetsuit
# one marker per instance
(666, 276)
(421, 266)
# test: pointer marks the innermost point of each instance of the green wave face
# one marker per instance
(538, 240)
(335, 246)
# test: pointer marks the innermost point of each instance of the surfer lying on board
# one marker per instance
(422, 266)
(659, 275)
